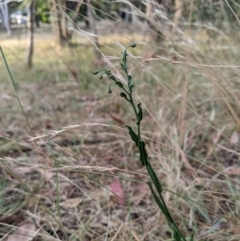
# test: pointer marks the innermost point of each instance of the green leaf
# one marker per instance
(139, 114)
(130, 85)
(108, 72)
(112, 77)
(130, 78)
(99, 71)
(133, 45)
(109, 88)
(156, 198)
(123, 95)
(191, 237)
(101, 76)
(154, 178)
(143, 153)
(123, 66)
(120, 84)
(176, 235)
(124, 57)
(133, 135)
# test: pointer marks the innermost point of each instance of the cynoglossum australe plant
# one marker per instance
(155, 185)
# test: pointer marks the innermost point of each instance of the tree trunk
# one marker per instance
(153, 23)
(57, 28)
(60, 28)
(177, 14)
(76, 12)
(31, 33)
(148, 13)
(92, 24)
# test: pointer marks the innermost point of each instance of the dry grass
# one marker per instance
(58, 176)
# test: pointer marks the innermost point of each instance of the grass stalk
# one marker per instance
(14, 86)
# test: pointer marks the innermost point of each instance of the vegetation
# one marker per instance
(127, 94)
(73, 173)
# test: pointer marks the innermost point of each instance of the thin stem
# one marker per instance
(15, 88)
(126, 91)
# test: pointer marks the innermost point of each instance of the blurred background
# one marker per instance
(68, 170)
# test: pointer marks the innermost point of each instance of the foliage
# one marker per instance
(43, 10)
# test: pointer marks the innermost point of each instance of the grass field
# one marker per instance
(58, 176)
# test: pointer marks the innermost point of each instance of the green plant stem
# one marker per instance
(128, 96)
(135, 111)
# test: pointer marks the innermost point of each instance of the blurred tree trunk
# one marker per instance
(5, 15)
(148, 14)
(31, 20)
(152, 22)
(76, 11)
(60, 27)
(92, 25)
(57, 29)
(177, 14)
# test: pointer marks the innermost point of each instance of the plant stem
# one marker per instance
(128, 96)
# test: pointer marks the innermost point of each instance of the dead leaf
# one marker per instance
(13, 219)
(150, 55)
(71, 203)
(41, 142)
(117, 119)
(23, 170)
(235, 137)
(74, 73)
(141, 191)
(26, 232)
(233, 171)
(7, 97)
(48, 124)
(97, 63)
(174, 59)
(117, 189)
(47, 174)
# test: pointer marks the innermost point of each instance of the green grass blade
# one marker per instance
(14, 86)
